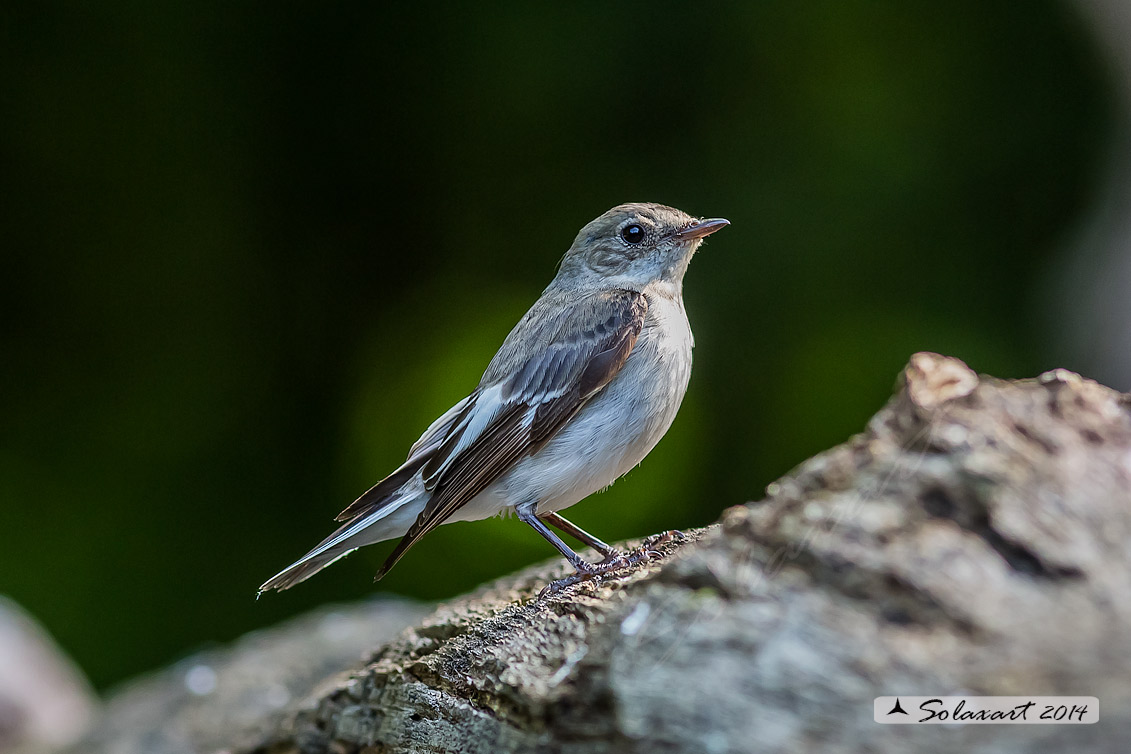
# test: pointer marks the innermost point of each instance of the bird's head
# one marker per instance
(634, 245)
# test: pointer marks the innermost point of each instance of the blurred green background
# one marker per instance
(251, 251)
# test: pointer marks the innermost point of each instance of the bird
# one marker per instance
(581, 390)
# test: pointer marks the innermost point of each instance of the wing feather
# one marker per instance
(385, 491)
(525, 398)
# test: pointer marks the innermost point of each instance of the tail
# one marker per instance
(389, 522)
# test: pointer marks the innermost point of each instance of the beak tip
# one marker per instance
(704, 228)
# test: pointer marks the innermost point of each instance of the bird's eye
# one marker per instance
(632, 234)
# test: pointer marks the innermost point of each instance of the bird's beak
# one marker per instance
(702, 229)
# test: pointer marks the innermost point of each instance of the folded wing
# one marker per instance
(561, 354)
(385, 492)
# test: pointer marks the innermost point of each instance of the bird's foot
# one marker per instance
(614, 561)
(647, 549)
(671, 535)
(559, 585)
(613, 557)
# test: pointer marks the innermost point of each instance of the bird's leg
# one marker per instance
(527, 515)
(610, 553)
(584, 570)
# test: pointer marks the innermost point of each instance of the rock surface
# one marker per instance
(45, 701)
(975, 539)
(217, 699)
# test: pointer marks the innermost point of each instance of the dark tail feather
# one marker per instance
(382, 493)
(385, 522)
(339, 544)
(303, 569)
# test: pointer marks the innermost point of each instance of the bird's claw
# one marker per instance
(671, 535)
(590, 571)
(643, 554)
(559, 585)
(647, 550)
(615, 561)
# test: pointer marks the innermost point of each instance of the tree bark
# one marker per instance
(974, 539)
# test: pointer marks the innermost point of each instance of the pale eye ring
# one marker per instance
(632, 234)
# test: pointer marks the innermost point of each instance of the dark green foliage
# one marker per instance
(250, 254)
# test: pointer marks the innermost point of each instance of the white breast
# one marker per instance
(614, 431)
